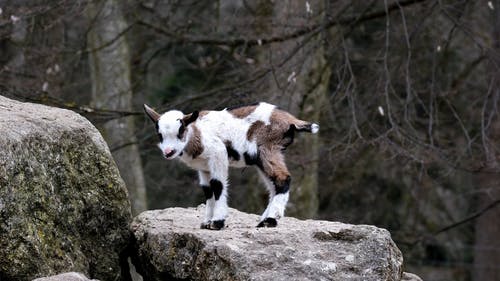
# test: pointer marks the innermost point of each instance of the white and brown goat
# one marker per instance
(213, 141)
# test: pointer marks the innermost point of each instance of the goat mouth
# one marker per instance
(169, 155)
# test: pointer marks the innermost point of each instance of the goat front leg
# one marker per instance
(218, 166)
(209, 197)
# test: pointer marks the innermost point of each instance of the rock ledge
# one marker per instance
(169, 245)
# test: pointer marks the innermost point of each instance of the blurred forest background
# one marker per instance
(406, 93)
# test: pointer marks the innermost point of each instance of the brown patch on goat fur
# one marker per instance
(276, 132)
(272, 139)
(257, 128)
(281, 116)
(273, 163)
(242, 112)
(194, 146)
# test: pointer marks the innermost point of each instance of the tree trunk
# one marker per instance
(111, 89)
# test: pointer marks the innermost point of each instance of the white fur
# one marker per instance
(168, 127)
(216, 127)
(220, 208)
(314, 128)
(261, 113)
(276, 208)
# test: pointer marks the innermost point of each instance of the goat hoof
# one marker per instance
(268, 222)
(205, 225)
(216, 225)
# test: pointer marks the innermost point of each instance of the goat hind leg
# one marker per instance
(264, 220)
(277, 178)
(275, 210)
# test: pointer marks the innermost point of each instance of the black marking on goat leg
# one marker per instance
(216, 225)
(207, 190)
(216, 187)
(205, 225)
(231, 152)
(268, 222)
(281, 186)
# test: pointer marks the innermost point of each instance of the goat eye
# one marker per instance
(160, 137)
(180, 135)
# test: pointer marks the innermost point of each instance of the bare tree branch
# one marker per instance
(234, 42)
(469, 218)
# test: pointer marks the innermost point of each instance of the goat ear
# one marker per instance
(190, 118)
(153, 115)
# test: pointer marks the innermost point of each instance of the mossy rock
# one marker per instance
(63, 205)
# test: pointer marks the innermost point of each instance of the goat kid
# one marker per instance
(213, 141)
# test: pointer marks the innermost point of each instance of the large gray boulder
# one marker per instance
(169, 245)
(63, 205)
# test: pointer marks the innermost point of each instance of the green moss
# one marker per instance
(62, 202)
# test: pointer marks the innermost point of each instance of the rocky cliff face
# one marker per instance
(170, 246)
(63, 205)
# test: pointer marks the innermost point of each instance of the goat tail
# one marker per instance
(304, 126)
